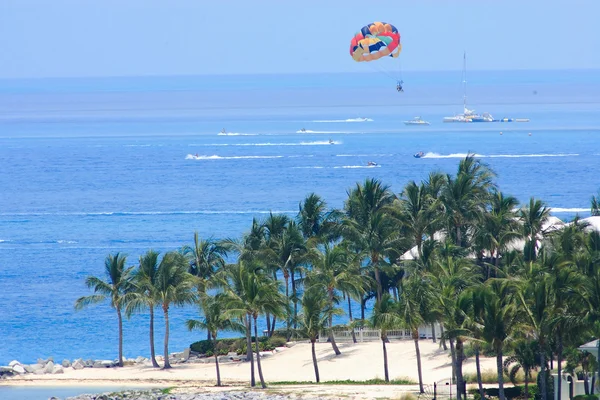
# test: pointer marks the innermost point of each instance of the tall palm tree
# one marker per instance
(333, 272)
(595, 205)
(499, 226)
(500, 320)
(214, 321)
(115, 288)
(413, 300)
(315, 221)
(174, 286)
(314, 318)
(533, 217)
(254, 294)
(206, 256)
(368, 225)
(144, 294)
(537, 302)
(385, 317)
(464, 197)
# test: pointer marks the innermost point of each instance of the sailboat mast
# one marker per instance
(464, 80)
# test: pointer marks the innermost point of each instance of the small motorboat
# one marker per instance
(420, 154)
(372, 164)
(331, 141)
(303, 130)
(416, 121)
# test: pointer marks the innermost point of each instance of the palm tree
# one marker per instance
(315, 318)
(385, 317)
(537, 300)
(368, 225)
(500, 318)
(206, 257)
(316, 223)
(174, 286)
(499, 226)
(254, 294)
(533, 217)
(595, 205)
(332, 271)
(214, 321)
(144, 294)
(464, 196)
(115, 288)
(526, 357)
(414, 299)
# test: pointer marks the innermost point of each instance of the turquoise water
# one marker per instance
(44, 393)
(91, 167)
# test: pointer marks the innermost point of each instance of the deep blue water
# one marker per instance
(90, 167)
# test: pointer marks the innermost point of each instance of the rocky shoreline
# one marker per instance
(50, 367)
(157, 394)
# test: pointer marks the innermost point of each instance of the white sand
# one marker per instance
(357, 362)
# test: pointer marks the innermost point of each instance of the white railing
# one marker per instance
(364, 335)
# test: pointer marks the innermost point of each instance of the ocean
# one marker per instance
(90, 167)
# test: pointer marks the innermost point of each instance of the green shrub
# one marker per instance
(586, 397)
(238, 345)
(277, 341)
(509, 392)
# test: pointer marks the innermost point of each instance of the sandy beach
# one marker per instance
(358, 362)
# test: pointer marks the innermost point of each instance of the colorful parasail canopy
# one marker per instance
(376, 40)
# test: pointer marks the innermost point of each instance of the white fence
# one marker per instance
(365, 335)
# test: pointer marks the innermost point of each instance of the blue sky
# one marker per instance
(80, 38)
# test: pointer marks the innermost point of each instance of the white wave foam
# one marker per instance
(66, 241)
(236, 134)
(216, 157)
(364, 155)
(138, 145)
(463, 155)
(315, 143)
(344, 120)
(358, 166)
(569, 210)
(308, 167)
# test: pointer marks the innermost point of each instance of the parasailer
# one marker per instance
(375, 41)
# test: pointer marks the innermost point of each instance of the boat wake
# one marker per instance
(343, 120)
(358, 166)
(216, 157)
(328, 132)
(236, 134)
(364, 155)
(463, 155)
(315, 143)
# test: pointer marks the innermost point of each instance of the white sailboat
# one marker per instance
(468, 115)
(416, 121)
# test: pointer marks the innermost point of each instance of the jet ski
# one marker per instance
(420, 154)
(372, 164)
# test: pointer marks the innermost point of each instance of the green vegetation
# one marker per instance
(453, 249)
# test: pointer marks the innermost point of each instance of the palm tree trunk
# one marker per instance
(500, 372)
(166, 347)
(459, 348)
(331, 336)
(453, 355)
(120, 336)
(559, 362)
(152, 351)
(526, 384)
(362, 308)
(385, 360)
(217, 361)
(260, 374)
(294, 295)
(478, 368)
(415, 335)
(350, 316)
(249, 354)
(442, 335)
(268, 323)
(375, 261)
(273, 326)
(433, 332)
(288, 322)
(314, 357)
(543, 389)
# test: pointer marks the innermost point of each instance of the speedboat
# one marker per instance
(420, 154)
(416, 121)
(331, 141)
(372, 164)
(303, 130)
